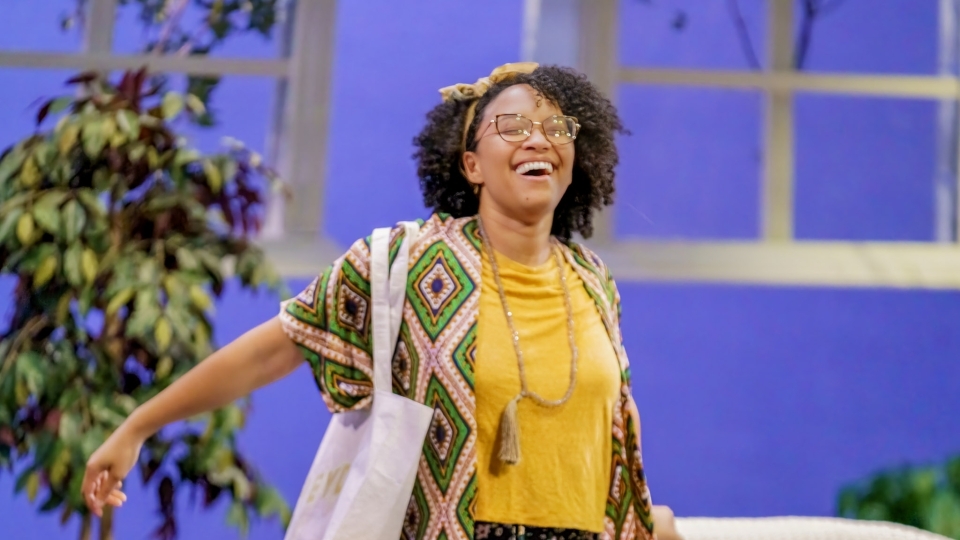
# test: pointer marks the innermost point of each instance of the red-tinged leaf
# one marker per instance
(227, 210)
(43, 112)
(83, 78)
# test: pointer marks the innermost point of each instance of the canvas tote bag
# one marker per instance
(360, 483)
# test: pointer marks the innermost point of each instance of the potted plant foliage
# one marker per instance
(119, 236)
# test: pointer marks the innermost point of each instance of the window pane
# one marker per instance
(865, 168)
(691, 167)
(241, 107)
(131, 36)
(892, 36)
(22, 100)
(693, 33)
(380, 101)
(29, 25)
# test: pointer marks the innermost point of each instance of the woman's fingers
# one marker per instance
(108, 482)
(117, 498)
(91, 483)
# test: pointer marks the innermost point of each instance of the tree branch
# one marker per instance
(743, 34)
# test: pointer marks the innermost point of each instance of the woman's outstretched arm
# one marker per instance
(257, 358)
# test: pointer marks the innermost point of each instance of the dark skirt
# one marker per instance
(498, 531)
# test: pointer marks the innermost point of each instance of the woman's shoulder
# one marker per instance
(589, 259)
(436, 227)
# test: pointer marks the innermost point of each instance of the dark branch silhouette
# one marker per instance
(743, 34)
(812, 10)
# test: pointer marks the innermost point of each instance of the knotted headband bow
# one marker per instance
(466, 92)
(473, 92)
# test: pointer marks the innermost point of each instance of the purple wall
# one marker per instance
(755, 400)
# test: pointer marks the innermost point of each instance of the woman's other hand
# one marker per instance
(107, 468)
(664, 524)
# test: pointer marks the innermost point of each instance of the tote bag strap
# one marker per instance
(388, 293)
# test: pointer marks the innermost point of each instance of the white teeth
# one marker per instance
(524, 168)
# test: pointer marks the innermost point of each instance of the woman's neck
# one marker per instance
(527, 243)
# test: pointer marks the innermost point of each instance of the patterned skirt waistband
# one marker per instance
(499, 531)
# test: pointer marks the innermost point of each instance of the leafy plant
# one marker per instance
(193, 27)
(118, 233)
(924, 497)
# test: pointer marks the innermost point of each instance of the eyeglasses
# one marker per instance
(516, 128)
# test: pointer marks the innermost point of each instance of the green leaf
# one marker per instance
(142, 322)
(196, 105)
(186, 260)
(35, 256)
(21, 482)
(67, 400)
(126, 403)
(232, 418)
(30, 370)
(8, 225)
(200, 298)
(11, 163)
(184, 156)
(229, 169)
(60, 104)
(129, 122)
(69, 431)
(74, 218)
(102, 412)
(85, 302)
(238, 517)
(92, 440)
(17, 201)
(30, 174)
(148, 273)
(137, 151)
(46, 212)
(211, 262)
(60, 466)
(163, 333)
(120, 300)
(68, 138)
(44, 153)
(943, 514)
(72, 264)
(164, 367)
(93, 204)
(172, 105)
(45, 272)
(25, 229)
(93, 139)
(33, 486)
(214, 176)
(89, 265)
(270, 503)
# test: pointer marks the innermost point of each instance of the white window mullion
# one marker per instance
(301, 139)
(98, 26)
(599, 46)
(777, 193)
(946, 219)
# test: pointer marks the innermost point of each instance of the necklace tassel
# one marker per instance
(510, 433)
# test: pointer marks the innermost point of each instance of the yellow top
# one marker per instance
(562, 479)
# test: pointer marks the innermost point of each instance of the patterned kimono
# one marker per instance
(433, 363)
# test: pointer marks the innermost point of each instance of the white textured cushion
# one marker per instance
(797, 528)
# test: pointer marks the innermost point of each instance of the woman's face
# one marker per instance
(517, 190)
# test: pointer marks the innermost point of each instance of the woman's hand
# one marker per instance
(255, 359)
(664, 523)
(107, 468)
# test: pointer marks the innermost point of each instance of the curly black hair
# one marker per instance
(438, 155)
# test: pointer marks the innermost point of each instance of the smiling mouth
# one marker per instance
(534, 169)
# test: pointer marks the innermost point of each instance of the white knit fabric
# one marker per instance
(797, 528)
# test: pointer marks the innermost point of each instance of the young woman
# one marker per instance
(510, 332)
